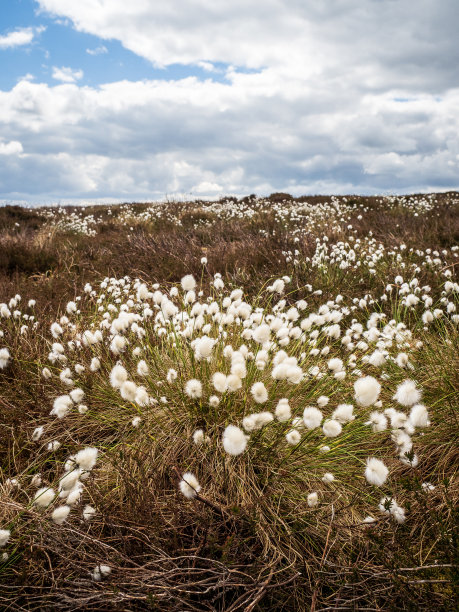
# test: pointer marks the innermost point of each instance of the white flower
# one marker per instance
(419, 417)
(118, 376)
(331, 428)
(100, 571)
(312, 417)
(378, 421)
(233, 382)
(62, 406)
(142, 368)
(60, 514)
(376, 472)
(366, 390)
(313, 499)
(88, 512)
(5, 535)
(234, 440)
(189, 485)
(188, 283)
(4, 358)
(259, 392)
(343, 413)
(171, 375)
(219, 382)
(87, 458)
(128, 390)
(283, 411)
(77, 395)
(262, 334)
(293, 437)
(43, 497)
(193, 388)
(407, 394)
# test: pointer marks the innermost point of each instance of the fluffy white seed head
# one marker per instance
(87, 458)
(407, 394)
(43, 497)
(331, 428)
(312, 417)
(366, 390)
(193, 388)
(376, 472)
(188, 283)
(419, 417)
(234, 440)
(88, 512)
(259, 392)
(219, 382)
(60, 514)
(118, 376)
(313, 499)
(5, 535)
(293, 437)
(283, 412)
(189, 485)
(343, 413)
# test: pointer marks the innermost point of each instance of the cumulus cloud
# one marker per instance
(66, 74)
(20, 37)
(333, 97)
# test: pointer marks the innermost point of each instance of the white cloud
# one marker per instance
(337, 96)
(98, 50)
(20, 37)
(10, 148)
(66, 74)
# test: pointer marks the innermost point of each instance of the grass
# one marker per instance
(249, 540)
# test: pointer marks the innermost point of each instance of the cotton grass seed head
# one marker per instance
(43, 497)
(407, 393)
(189, 485)
(366, 390)
(60, 514)
(193, 388)
(312, 417)
(234, 440)
(376, 472)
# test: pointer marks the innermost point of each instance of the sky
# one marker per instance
(115, 100)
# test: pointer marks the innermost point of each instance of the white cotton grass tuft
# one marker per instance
(219, 382)
(293, 437)
(376, 472)
(331, 428)
(407, 393)
(4, 358)
(389, 505)
(43, 497)
(366, 390)
(128, 390)
(323, 401)
(259, 393)
(283, 411)
(419, 417)
(234, 440)
(188, 282)
(37, 433)
(101, 571)
(118, 376)
(62, 406)
(328, 477)
(87, 458)
(343, 413)
(313, 499)
(193, 388)
(142, 368)
(5, 535)
(60, 514)
(312, 417)
(189, 485)
(88, 512)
